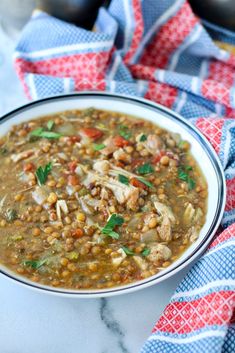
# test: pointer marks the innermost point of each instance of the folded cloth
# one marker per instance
(161, 51)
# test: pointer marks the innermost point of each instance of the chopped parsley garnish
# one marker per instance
(42, 173)
(191, 184)
(123, 179)
(40, 132)
(98, 147)
(145, 182)
(11, 214)
(124, 132)
(128, 251)
(145, 252)
(113, 221)
(184, 175)
(35, 264)
(50, 125)
(145, 169)
(143, 138)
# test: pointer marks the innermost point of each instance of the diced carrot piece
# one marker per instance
(137, 183)
(74, 139)
(92, 133)
(119, 141)
(29, 167)
(72, 166)
(77, 233)
(158, 156)
(136, 163)
(73, 180)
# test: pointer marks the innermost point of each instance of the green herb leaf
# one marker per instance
(188, 167)
(191, 183)
(35, 264)
(113, 234)
(123, 179)
(128, 251)
(37, 132)
(42, 173)
(40, 132)
(145, 252)
(146, 182)
(50, 125)
(50, 135)
(145, 169)
(143, 138)
(113, 221)
(124, 132)
(98, 147)
(11, 214)
(183, 175)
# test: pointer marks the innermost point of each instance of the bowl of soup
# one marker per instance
(102, 194)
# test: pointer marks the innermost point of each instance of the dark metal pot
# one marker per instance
(83, 13)
(220, 12)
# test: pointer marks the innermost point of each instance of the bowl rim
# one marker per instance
(128, 288)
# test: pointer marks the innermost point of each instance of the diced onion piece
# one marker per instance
(79, 170)
(142, 264)
(116, 261)
(61, 205)
(66, 129)
(40, 194)
(149, 236)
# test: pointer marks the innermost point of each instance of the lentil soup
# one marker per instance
(94, 199)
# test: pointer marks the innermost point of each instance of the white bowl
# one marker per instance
(200, 148)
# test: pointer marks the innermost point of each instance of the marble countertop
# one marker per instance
(37, 322)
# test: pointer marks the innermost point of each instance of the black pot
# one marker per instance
(83, 13)
(220, 12)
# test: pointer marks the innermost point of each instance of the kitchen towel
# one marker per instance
(161, 51)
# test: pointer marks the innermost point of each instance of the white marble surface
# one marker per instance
(33, 322)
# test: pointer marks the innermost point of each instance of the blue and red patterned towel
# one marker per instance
(158, 50)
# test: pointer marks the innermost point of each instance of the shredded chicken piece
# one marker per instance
(104, 194)
(124, 193)
(102, 167)
(188, 214)
(121, 155)
(193, 234)
(168, 219)
(164, 229)
(159, 252)
(91, 178)
(110, 147)
(116, 261)
(153, 144)
(141, 263)
(164, 210)
(22, 155)
(61, 205)
(88, 204)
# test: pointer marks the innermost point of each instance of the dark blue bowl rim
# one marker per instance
(180, 120)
